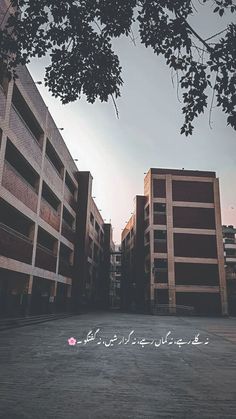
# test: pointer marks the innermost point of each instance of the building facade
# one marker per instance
(229, 238)
(115, 280)
(38, 199)
(93, 247)
(132, 246)
(182, 239)
(40, 214)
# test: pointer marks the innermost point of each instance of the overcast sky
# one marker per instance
(118, 151)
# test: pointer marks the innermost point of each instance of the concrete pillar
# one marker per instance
(52, 298)
(61, 218)
(39, 186)
(170, 245)
(29, 296)
(2, 155)
(220, 250)
(151, 237)
(152, 274)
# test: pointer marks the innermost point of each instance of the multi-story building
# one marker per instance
(94, 238)
(38, 194)
(229, 238)
(182, 243)
(115, 281)
(39, 207)
(132, 246)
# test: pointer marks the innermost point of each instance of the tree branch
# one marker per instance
(115, 106)
(209, 49)
(213, 36)
(5, 14)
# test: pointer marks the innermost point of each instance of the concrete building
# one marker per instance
(133, 287)
(115, 281)
(229, 238)
(40, 214)
(93, 251)
(176, 229)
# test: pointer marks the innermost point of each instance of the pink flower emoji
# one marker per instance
(72, 341)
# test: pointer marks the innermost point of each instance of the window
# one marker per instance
(91, 218)
(70, 184)
(65, 253)
(146, 212)
(68, 218)
(46, 240)
(195, 245)
(196, 274)
(159, 208)
(54, 159)
(26, 114)
(194, 217)
(159, 213)
(192, 191)
(159, 188)
(50, 197)
(160, 264)
(160, 271)
(231, 252)
(20, 164)
(161, 296)
(160, 235)
(96, 227)
(4, 81)
(14, 219)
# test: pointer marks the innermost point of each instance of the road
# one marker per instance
(126, 367)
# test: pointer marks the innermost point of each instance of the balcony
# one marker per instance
(67, 232)
(15, 245)
(19, 187)
(48, 214)
(65, 268)
(45, 259)
(52, 175)
(32, 91)
(30, 145)
(69, 198)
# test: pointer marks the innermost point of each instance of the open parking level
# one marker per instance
(126, 368)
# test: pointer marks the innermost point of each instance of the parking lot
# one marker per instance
(119, 366)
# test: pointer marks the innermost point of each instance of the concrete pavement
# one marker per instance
(42, 376)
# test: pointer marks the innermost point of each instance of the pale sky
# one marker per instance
(118, 151)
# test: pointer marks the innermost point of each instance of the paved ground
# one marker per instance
(42, 376)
